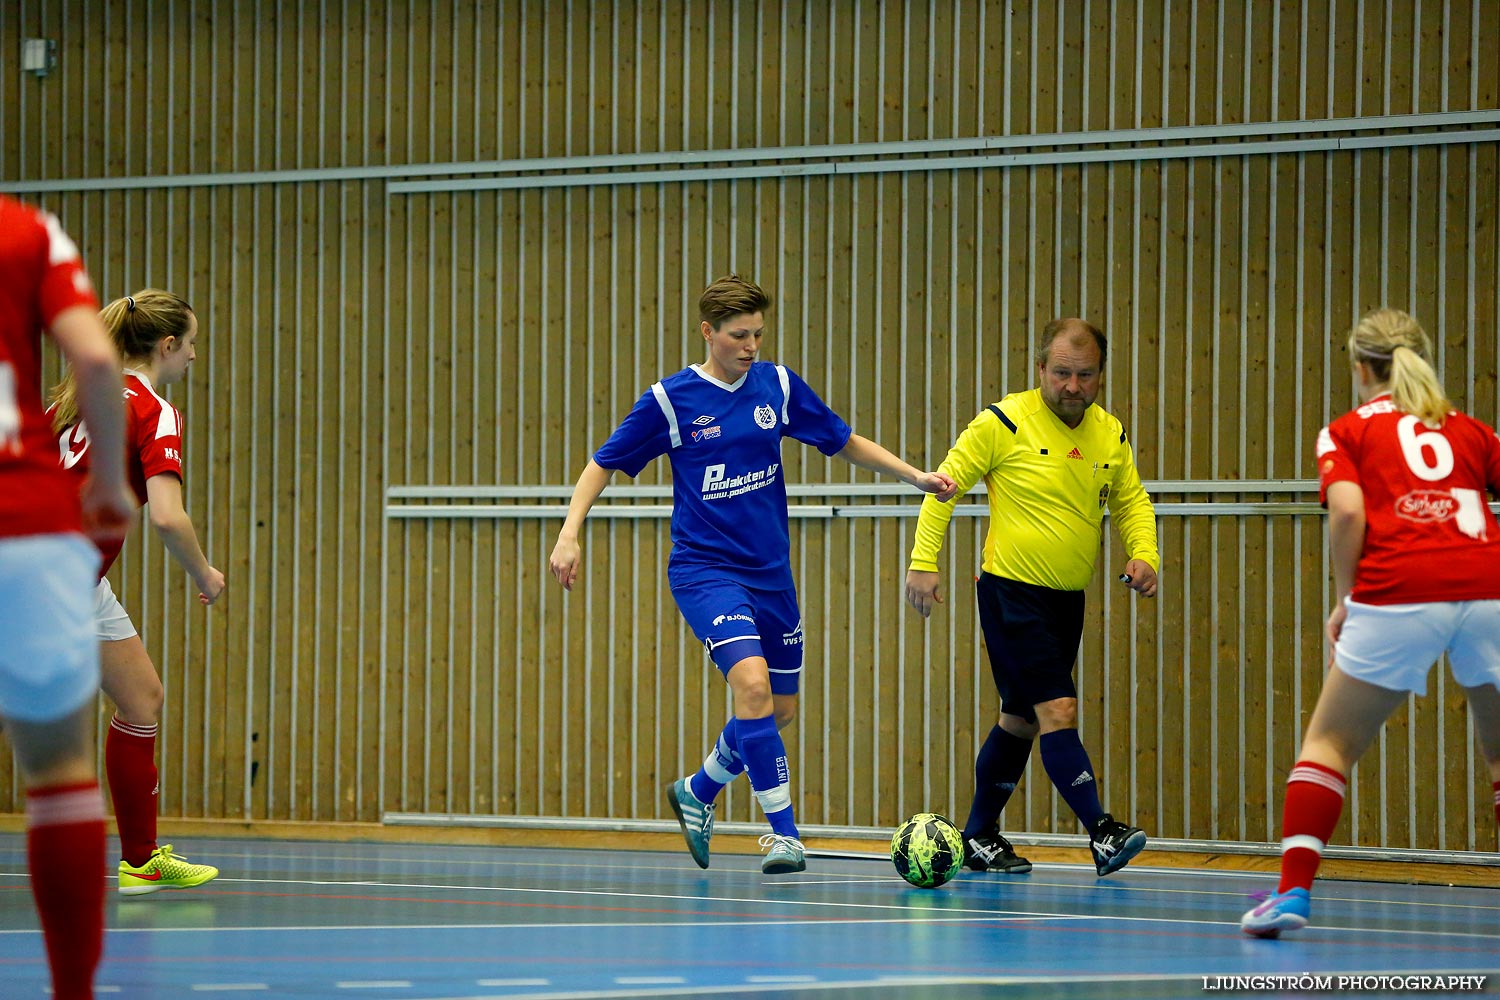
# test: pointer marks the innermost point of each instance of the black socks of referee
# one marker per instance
(1067, 764)
(998, 767)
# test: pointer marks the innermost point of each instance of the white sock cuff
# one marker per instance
(1305, 841)
(81, 805)
(716, 771)
(144, 732)
(1318, 776)
(775, 799)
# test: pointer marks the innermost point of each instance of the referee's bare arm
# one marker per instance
(566, 553)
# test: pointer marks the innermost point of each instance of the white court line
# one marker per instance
(1112, 886)
(780, 900)
(376, 984)
(513, 982)
(781, 979)
(849, 880)
(591, 925)
(671, 897)
(690, 925)
(1051, 980)
(942, 913)
(1108, 886)
(228, 987)
(650, 980)
(939, 913)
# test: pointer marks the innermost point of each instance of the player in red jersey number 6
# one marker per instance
(1413, 546)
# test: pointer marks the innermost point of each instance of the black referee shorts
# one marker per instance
(1032, 634)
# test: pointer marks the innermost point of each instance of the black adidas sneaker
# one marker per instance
(1114, 844)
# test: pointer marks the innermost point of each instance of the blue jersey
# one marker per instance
(724, 442)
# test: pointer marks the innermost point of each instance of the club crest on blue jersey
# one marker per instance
(765, 417)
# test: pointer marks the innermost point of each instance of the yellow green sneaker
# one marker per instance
(163, 870)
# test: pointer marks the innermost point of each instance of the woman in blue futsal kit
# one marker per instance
(721, 424)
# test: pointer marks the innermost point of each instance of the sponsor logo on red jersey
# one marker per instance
(1426, 505)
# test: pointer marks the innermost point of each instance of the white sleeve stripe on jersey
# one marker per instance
(60, 246)
(660, 393)
(786, 392)
(168, 421)
(712, 645)
(168, 424)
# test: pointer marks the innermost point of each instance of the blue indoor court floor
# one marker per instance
(316, 919)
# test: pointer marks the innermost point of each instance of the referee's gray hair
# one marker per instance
(1075, 327)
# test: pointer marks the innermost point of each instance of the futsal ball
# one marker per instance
(927, 850)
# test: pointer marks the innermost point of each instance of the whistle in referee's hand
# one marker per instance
(1124, 577)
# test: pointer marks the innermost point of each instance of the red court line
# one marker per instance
(1309, 935)
(504, 904)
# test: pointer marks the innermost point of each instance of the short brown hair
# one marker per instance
(1073, 329)
(729, 296)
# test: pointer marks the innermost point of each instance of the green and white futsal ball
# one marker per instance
(927, 850)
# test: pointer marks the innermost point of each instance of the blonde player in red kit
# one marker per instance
(1413, 546)
(154, 332)
(49, 658)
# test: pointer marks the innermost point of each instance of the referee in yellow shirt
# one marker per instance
(1052, 462)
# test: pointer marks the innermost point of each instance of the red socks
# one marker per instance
(1314, 800)
(130, 763)
(65, 852)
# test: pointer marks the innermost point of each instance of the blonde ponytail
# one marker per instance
(1399, 354)
(136, 324)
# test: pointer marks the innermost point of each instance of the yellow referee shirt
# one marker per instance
(1049, 485)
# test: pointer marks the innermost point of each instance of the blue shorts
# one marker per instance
(734, 621)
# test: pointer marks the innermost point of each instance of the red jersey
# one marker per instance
(1429, 531)
(153, 447)
(41, 276)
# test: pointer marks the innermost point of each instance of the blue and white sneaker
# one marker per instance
(695, 818)
(786, 855)
(1282, 911)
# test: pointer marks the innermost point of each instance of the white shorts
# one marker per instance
(49, 652)
(1395, 645)
(110, 617)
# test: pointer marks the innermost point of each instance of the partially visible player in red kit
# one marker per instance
(154, 333)
(49, 657)
(1413, 546)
